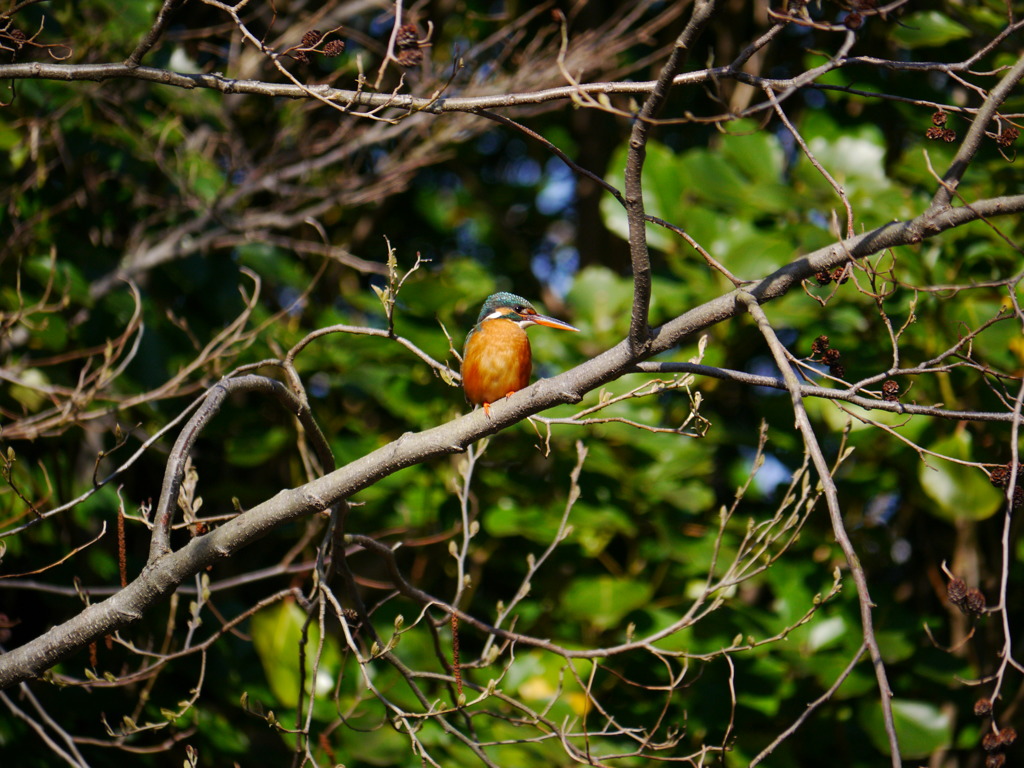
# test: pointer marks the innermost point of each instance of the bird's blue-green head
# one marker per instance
(509, 306)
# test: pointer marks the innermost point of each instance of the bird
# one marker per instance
(497, 360)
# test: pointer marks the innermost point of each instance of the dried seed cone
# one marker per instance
(956, 591)
(410, 57)
(334, 48)
(408, 36)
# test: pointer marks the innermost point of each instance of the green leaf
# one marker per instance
(603, 601)
(826, 633)
(853, 155)
(205, 178)
(756, 153)
(921, 727)
(276, 635)
(959, 492)
(595, 527)
(31, 395)
(254, 447)
(532, 522)
(928, 28)
(601, 301)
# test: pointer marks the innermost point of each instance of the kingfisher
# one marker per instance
(497, 360)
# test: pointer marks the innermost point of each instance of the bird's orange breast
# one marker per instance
(496, 361)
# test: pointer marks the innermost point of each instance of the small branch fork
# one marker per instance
(803, 424)
(633, 193)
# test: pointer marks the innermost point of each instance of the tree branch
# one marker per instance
(634, 194)
(162, 576)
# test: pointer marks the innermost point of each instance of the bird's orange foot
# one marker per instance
(487, 409)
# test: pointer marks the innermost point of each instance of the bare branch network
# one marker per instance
(419, 109)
